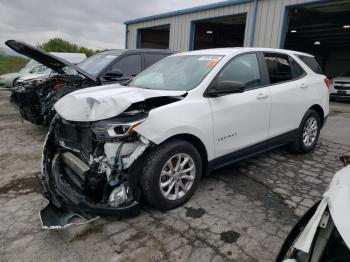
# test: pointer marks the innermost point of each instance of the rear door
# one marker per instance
(241, 119)
(289, 92)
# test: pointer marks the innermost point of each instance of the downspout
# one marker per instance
(126, 36)
(252, 28)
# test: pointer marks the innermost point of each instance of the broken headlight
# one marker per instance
(111, 129)
(122, 130)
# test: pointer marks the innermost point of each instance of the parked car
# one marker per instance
(323, 233)
(341, 87)
(43, 72)
(183, 117)
(36, 98)
(9, 80)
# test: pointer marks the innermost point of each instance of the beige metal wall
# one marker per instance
(180, 25)
(269, 20)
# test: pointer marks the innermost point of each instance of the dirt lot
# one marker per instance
(240, 213)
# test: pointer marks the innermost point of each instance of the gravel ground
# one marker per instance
(240, 213)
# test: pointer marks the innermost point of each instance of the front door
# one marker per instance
(241, 119)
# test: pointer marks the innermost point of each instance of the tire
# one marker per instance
(14, 82)
(161, 159)
(300, 145)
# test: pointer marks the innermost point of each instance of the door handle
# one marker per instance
(303, 85)
(262, 96)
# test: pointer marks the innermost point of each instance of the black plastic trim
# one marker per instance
(253, 150)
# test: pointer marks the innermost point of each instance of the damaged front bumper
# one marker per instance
(65, 180)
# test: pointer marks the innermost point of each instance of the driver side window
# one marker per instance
(243, 69)
(129, 65)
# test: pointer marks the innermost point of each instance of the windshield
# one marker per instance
(96, 63)
(30, 65)
(347, 73)
(182, 72)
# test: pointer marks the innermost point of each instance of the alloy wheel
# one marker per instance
(177, 176)
(310, 131)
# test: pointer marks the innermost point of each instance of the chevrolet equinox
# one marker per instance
(180, 119)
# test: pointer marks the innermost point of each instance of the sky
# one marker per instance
(96, 24)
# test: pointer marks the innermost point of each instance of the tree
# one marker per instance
(9, 64)
(60, 45)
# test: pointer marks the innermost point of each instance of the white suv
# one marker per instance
(178, 120)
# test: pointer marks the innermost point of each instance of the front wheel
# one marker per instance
(171, 174)
(308, 132)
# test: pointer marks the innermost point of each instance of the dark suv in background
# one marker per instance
(36, 97)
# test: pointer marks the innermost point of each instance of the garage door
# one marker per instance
(324, 31)
(226, 31)
(154, 37)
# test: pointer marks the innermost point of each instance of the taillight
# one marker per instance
(328, 82)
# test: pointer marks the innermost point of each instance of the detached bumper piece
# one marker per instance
(69, 201)
(54, 218)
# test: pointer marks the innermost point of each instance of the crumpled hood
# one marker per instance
(103, 102)
(32, 76)
(51, 61)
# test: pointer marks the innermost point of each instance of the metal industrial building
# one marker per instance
(320, 27)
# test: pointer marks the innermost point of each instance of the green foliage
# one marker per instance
(10, 64)
(60, 45)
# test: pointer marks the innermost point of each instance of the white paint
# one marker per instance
(290, 100)
(337, 199)
(252, 118)
(103, 102)
(345, 83)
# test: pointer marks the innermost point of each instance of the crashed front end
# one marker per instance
(91, 169)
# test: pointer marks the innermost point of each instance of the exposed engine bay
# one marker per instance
(95, 167)
(36, 97)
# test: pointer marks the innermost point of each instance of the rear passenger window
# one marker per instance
(278, 67)
(243, 69)
(297, 70)
(311, 62)
(150, 59)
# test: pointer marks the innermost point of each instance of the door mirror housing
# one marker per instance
(226, 87)
(114, 73)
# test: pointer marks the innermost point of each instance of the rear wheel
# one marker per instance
(308, 132)
(171, 174)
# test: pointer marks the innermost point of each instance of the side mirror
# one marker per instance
(114, 73)
(226, 87)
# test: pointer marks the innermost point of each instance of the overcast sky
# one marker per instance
(96, 24)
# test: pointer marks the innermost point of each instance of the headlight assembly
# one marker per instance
(123, 130)
(111, 129)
